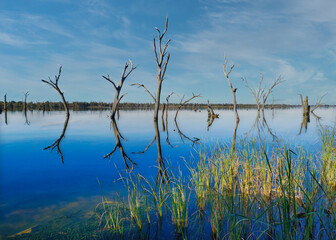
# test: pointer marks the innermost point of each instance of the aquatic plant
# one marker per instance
(179, 197)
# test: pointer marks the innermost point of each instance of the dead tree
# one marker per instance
(56, 144)
(305, 113)
(25, 101)
(305, 106)
(124, 75)
(260, 95)
(5, 102)
(55, 86)
(118, 144)
(257, 94)
(233, 90)
(265, 95)
(161, 62)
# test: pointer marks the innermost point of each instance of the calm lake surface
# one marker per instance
(37, 187)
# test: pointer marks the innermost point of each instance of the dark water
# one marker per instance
(37, 187)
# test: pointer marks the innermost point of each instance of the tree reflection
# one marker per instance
(127, 160)
(56, 144)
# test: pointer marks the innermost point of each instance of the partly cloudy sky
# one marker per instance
(91, 38)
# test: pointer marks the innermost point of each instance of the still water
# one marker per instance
(37, 185)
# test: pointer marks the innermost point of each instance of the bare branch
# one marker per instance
(265, 95)
(318, 103)
(131, 70)
(141, 85)
(165, 66)
(166, 27)
(155, 53)
(108, 79)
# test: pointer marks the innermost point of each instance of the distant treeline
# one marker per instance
(79, 106)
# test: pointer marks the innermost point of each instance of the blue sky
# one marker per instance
(90, 38)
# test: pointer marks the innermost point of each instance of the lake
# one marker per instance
(38, 186)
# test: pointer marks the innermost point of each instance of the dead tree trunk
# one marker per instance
(5, 102)
(55, 86)
(117, 99)
(162, 65)
(305, 106)
(232, 89)
(305, 113)
(25, 102)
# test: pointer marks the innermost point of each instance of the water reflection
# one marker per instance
(6, 122)
(211, 116)
(57, 143)
(117, 135)
(260, 123)
(26, 118)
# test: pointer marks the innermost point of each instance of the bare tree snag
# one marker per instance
(117, 135)
(233, 90)
(5, 102)
(56, 144)
(55, 86)
(234, 138)
(305, 113)
(257, 94)
(305, 106)
(162, 63)
(25, 101)
(124, 75)
(265, 95)
(161, 59)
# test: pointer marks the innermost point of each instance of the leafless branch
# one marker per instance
(231, 87)
(265, 95)
(318, 103)
(143, 86)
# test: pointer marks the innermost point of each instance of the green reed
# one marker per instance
(257, 192)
